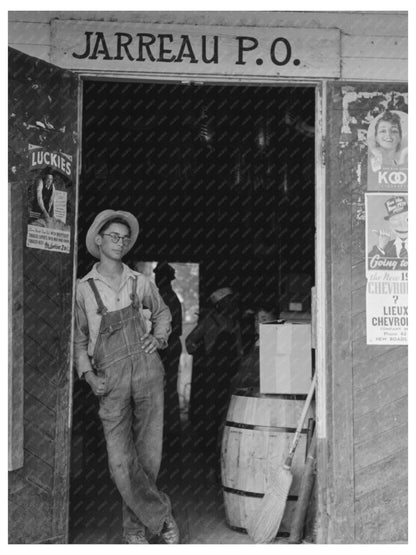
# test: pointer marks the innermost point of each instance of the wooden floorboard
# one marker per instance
(29, 514)
(381, 516)
(40, 387)
(380, 446)
(38, 443)
(375, 476)
(358, 325)
(362, 352)
(37, 412)
(376, 395)
(42, 304)
(358, 300)
(357, 275)
(380, 368)
(390, 415)
(37, 352)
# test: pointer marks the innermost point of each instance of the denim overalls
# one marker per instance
(131, 411)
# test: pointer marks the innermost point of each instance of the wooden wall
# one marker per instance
(373, 44)
(366, 414)
(368, 384)
(38, 482)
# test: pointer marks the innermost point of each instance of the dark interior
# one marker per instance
(220, 175)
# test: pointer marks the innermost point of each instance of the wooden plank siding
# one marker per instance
(360, 23)
(37, 509)
(373, 45)
(16, 327)
(378, 382)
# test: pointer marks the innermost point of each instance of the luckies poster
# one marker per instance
(47, 219)
(387, 268)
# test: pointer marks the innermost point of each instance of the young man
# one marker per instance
(118, 357)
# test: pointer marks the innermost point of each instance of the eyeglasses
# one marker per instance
(115, 237)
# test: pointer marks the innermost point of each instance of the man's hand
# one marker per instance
(97, 384)
(383, 238)
(149, 343)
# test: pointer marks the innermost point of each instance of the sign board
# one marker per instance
(387, 268)
(196, 50)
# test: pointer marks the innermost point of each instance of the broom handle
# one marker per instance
(288, 462)
(305, 490)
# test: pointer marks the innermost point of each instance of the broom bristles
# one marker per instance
(264, 525)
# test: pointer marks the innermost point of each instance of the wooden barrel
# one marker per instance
(257, 436)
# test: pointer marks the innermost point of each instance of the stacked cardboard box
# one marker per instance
(285, 357)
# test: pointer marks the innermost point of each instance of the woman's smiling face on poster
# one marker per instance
(388, 135)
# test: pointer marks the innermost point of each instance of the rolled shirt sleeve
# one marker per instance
(81, 336)
(161, 317)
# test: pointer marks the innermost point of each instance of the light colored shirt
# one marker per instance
(88, 321)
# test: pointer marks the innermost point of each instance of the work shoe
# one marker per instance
(138, 537)
(170, 531)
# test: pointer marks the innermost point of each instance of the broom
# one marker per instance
(264, 524)
(305, 491)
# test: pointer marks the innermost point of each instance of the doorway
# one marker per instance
(220, 175)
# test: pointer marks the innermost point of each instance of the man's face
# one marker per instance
(261, 317)
(399, 224)
(109, 248)
(228, 306)
(48, 179)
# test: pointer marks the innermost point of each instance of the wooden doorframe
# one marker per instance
(340, 523)
(321, 336)
(68, 401)
(75, 256)
(321, 339)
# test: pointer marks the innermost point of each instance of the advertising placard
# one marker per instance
(386, 233)
(387, 268)
(48, 239)
(387, 141)
(47, 227)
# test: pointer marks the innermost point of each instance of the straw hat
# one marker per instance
(219, 294)
(102, 218)
(395, 205)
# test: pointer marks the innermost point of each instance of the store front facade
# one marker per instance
(325, 77)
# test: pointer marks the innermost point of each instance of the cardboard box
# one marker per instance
(285, 357)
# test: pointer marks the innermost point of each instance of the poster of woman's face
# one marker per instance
(387, 142)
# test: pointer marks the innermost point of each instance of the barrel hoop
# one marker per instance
(244, 426)
(244, 531)
(242, 492)
(253, 493)
(288, 396)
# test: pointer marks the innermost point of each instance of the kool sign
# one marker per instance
(199, 50)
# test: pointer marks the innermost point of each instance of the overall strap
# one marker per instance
(102, 309)
(133, 294)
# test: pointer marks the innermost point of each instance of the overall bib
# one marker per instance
(131, 411)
